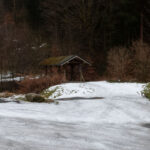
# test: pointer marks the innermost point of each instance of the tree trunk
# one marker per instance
(14, 5)
(141, 27)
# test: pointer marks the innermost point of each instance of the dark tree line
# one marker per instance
(31, 30)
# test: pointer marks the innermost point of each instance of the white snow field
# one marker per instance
(119, 121)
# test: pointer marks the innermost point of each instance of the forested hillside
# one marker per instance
(31, 30)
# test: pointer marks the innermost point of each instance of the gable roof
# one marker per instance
(61, 60)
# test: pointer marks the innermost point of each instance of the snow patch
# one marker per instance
(95, 89)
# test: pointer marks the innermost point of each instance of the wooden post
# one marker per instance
(59, 70)
(46, 70)
(72, 71)
(81, 73)
(64, 74)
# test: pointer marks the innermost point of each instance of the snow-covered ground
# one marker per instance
(96, 89)
(119, 121)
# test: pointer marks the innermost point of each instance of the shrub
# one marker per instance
(146, 91)
(119, 62)
(48, 93)
(141, 59)
(38, 85)
(10, 86)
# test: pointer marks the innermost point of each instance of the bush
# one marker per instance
(146, 91)
(47, 93)
(141, 63)
(119, 62)
(38, 85)
(10, 86)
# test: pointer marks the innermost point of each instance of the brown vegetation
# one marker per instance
(38, 85)
(119, 61)
(10, 86)
(130, 64)
(141, 57)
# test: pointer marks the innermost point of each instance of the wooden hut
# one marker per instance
(70, 67)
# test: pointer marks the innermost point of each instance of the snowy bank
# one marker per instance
(95, 89)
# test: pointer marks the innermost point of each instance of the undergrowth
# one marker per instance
(47, 93)
(146, 91)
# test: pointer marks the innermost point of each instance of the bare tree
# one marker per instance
(119, 61)
(141, 60)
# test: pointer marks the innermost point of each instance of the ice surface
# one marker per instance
(120, 121)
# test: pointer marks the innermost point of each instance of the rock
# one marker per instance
(32, 97)
(56, 102)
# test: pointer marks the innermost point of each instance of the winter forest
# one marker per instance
(112, 34)
(74, 74)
